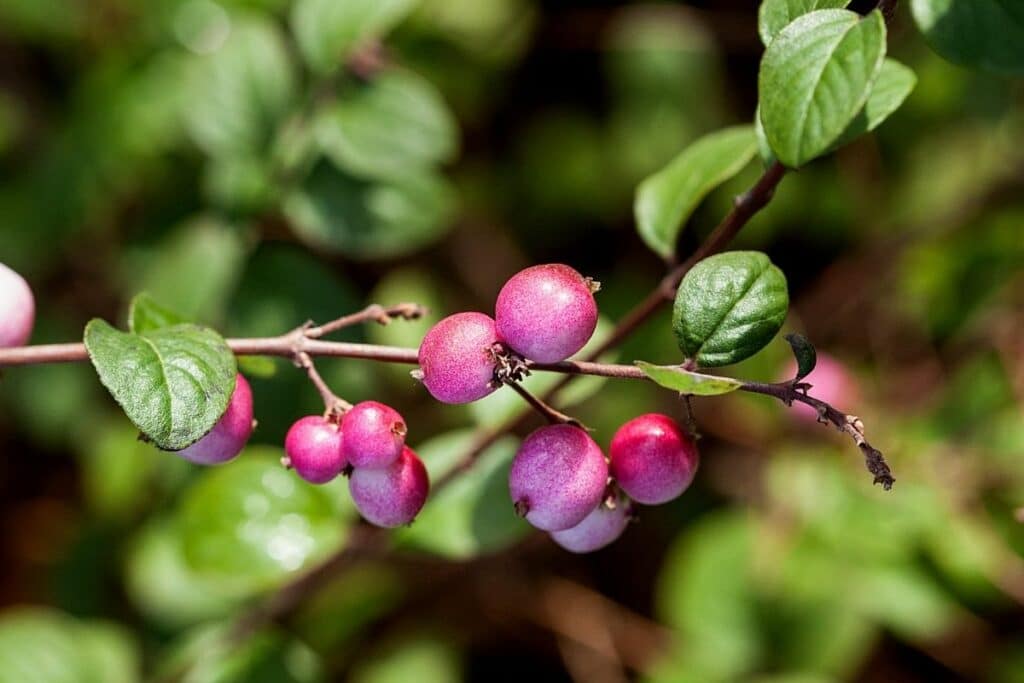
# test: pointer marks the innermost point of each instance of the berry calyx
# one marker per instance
(558, 477)
(229, 436)
(457, 359)
(394, 495)
(600, 528)
(374, 435)
(652, 459)
(314, 449)
(17, 309)
(546, 313)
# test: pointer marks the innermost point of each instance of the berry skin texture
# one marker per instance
(456, 358)
(17, 309)
(374, 435)
(546, 313)
(600, 528)
(314, 450)
(833, 384)
(392, 496)
(652, 459)
(558, 477)
(229, 436)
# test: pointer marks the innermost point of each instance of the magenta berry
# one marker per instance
(546, 313)
(313, 447)
(598, 529)
(17, 309)
(652, 459)
(230, 434)
(456, 358)
(558, 477)
(374, 435)
(394, 495)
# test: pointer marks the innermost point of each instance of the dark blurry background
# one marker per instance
(185, 148)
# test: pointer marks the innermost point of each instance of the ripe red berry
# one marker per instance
(391, 496)
(456, 359)
(558, 477)
(17, 309)
(598, 529)
(546, 313)
(230, 434)
(314, 449)
(652, 459)
(374, 435)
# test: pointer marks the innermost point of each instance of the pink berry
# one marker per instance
(558, 477)
(230, 434)
(314, 449)
(17, 309)
(374, 435)
(832, 383)
(456, 358)
(653, 459)
(598, 529)
(546, 313)
(394, 495)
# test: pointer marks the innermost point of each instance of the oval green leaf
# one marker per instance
(815, 78)
(775, 15)
(729, 307)
(145, 315)
(173, 383)
(665, 200)
(328, 30)
(894, 84)
(987, 34)
(686, 382)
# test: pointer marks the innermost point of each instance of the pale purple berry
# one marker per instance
(558, 477)
(230, 434)
(598, 529)
(652, 459)
(456, 358)
(314, 449)
(391, 496)
(374, 435)
(17, 309)
(546, 313)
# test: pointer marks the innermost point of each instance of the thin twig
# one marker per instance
(374, 313)
(547, 412)
(334, 405)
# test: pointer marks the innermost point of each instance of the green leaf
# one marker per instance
(988, 34)
(763, 148)
(728, 307)
(803, 351)
(395, 125)
(252, 524)
(327, 31)
(364, 220)
(686, 382)
(421, 658)
(815, 78)
(174, 383)
(665, 200)
(775, 15)
(145, 315)
(894, 84)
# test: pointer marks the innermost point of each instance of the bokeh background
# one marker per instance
(204, 152)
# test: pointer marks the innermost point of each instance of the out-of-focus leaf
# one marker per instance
(687, 382)
(174, 383)
(988, 34)
(327, 31)
(396, 125)
(906, 600)
(893, 85)
(110, 652)
(423, 659)
(240, 183)
(775, 15)
(146, 314)
(253, 523)
(665, 200)
(815, 78)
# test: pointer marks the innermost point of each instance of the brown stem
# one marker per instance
(548, 412)
(334, 405)
(374, 313)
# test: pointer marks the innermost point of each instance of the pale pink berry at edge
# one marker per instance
(598, 529)
(546, 313)
(374, 435)
(394, 495)
(652, 459)
(229, 436)
(832, 383)
(456, 359)
(17, 309)
(558, 477)
(313, 447)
